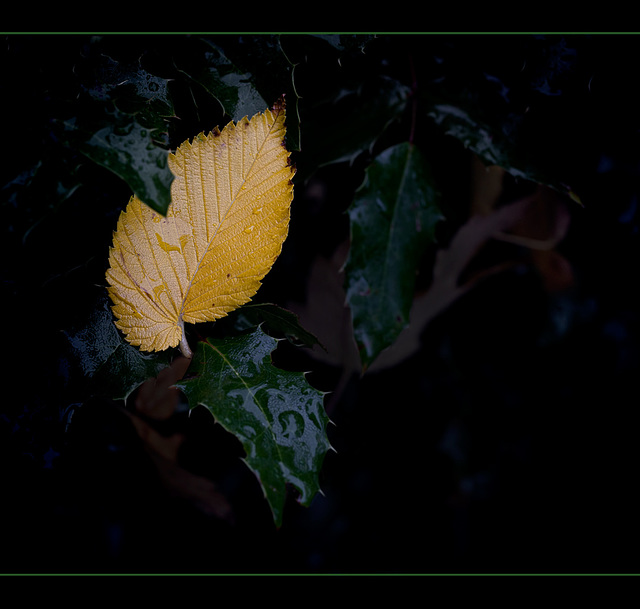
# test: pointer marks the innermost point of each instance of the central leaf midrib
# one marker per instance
(390, 238)
(269, 426)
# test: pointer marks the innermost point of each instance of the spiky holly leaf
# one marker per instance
(277, 319)
(109, 365)
(277, 416)
(393, 218)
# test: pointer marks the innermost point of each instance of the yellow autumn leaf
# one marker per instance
(224, 229)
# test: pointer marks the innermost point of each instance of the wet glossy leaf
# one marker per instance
(524, 110)
(124, 120)
(277, 416)
(228, 219)
(393, 218)
(262, 61)
(111, 366)
(278, 320)
(234, 89)
(130, 87)
(127, 148)
(493, 146)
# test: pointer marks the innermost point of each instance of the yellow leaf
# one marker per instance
(224, 229)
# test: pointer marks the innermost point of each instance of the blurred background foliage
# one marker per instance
(498, 434)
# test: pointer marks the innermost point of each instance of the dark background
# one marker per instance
(507, 443)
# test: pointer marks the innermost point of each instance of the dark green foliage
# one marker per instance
(279, 419)
(393, 219)
(112, 367)
(504, 440)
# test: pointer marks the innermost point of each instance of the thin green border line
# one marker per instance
(346, 33)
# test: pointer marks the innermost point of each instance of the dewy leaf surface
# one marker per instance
(211, 69)
(393, 218)
(109, 365)
(125, 147)
(279, 320)
(228, 219)
(278, 417)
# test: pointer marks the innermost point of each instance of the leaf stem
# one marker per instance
(184, 345)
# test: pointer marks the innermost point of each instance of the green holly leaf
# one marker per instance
(120, 120)
(260, 67)
(494, 147)
(108, 365)
(277, 416)
(393, 219)
(523, 110)
(276, 319)
(130, 87)
(127, 148)
(207, 65)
